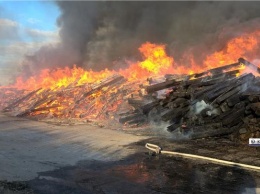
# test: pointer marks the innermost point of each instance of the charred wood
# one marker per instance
(246, 77)
(245, 95)
(253, 98)
(173, 127)
(217, 89)
(239, 105)
(255, 106)
(234, 118)
(231, 92)
(224, 115)
(174, 113)
(233, 100)
(207, 91)
(139, 120)
(208, 82)
(186, 95)
(213, 132)
(188, 83)
(226, 75)
(129, 117)
(135, 102)
(224, 107)
(248, 112)
(223, 68)
(163, 85)
(145, 109)
(180, 102)
(226, 87)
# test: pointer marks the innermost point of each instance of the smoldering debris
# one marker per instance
(212, 105)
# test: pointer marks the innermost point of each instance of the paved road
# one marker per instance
(29, 147)
(83, 159)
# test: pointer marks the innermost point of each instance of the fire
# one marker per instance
(59, 78)
(67, 92)
(234, 49)
(156, 58)
(246, 45)
(156, 62)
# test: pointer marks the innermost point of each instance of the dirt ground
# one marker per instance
(41, 158)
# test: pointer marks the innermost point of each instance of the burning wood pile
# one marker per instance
(96, 100)
(220, 101)
(212, 103)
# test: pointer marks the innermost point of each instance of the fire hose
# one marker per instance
(158, 150)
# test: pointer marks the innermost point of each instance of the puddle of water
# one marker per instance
(148, 174)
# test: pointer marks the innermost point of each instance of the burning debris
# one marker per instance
(220, 101)
(213, 103)
(75, 93)
(92, 101)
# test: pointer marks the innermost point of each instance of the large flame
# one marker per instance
(61, 78)
(234, 49)
(156, 59)
(155, 62)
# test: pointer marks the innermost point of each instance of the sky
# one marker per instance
(24, 27)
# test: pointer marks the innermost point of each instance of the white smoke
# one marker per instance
(199, 106)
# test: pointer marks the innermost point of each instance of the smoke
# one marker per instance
(100, 34)
(199, 106)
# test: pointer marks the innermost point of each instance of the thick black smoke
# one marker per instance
(101, 35)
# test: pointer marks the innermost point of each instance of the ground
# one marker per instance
(41, 158)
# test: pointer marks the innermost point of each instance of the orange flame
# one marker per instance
(234, 49)
(156, 58)
(61, 78)
(155, 62)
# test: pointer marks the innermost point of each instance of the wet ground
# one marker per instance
(142, 173)
(87, 161)
(146, 174)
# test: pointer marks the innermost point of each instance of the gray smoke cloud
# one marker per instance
(100, 35)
